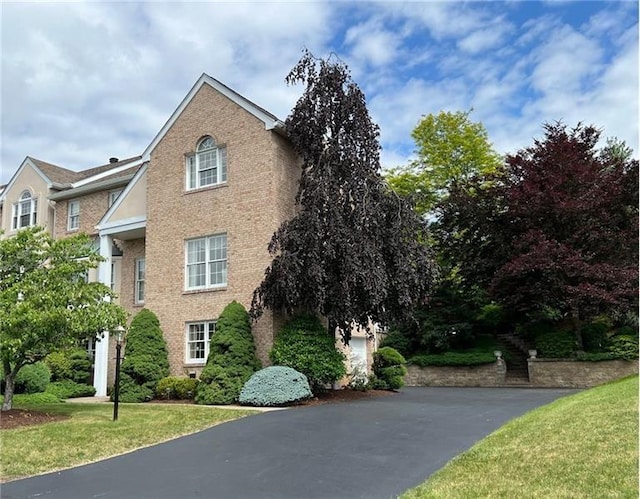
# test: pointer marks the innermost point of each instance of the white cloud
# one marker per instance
(82, 82)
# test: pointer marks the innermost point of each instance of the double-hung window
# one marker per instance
(198, 339)
(206, 262)
(208, 166)
(140, 277)
(74, 215)
(25, 211)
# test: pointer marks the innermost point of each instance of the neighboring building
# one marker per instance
(184, 228)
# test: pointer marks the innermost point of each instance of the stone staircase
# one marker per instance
(516, 353)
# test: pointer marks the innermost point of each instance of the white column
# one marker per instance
(102, 345)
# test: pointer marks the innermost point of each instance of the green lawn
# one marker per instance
(90, 434)
(582, 446)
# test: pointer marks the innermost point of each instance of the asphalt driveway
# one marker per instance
(371, 448)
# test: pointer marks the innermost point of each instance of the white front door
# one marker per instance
(358, 357)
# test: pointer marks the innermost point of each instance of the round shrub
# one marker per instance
(67, 389)
(275, 386)
(33, 378)
(59, 364)
(146, 361)
(232, 358)
(306, 346)
(623, 347)
(556, 345)
(176, 388)
(388, 369)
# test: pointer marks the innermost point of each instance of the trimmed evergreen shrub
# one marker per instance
(275, 386)
(59, 364)
(176, 388)
(67, 389)
(306, 346)
(623, 347)
(33, 378)
(388, 369)
(232, 358)
(556, 345)
(80, 365)
(146, 361)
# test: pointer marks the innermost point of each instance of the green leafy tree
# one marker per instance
(557, 236)
(450, 148)
(352, 252)
(232, 358)
(45, 303)
(146, 358)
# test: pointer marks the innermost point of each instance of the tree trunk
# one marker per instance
(10, 381)
(577, 328)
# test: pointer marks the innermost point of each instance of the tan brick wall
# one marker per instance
(29, 180)
(92, 208)
(576, 374)
(248, 209)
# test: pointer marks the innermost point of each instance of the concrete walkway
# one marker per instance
(371, 448)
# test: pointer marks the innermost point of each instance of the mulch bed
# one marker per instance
(16, 418)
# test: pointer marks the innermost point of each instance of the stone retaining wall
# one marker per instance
(543, 373)
(552, 373)
(484, 375)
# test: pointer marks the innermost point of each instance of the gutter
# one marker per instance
(92, 187)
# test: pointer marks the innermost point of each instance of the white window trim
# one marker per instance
(207, 263)
(113, 196)
(192, 167)
(136, 290)
(17, 214)
(71, 216)
(207, 341)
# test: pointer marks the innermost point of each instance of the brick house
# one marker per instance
(184, 227)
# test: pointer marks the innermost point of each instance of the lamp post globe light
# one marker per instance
(119, 332)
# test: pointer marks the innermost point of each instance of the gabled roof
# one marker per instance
(66, 180)
(56, 174)
(271, 122)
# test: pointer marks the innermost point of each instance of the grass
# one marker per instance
(33, 450)
(582, 446)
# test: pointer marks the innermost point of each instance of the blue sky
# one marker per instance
(85, 81)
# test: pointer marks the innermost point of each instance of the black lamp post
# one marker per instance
(119, 330)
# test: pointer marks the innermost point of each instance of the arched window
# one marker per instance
(208, 166)
(25, 211)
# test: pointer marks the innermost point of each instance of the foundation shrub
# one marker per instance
(232, 358)
(67, 389)
(275, 386)
(73, 364)
(556, 344)
(59, 364)
(388, 369)
(305, 345)
(176, 388)
(80, 366)
(33, 378)
(146, 361)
